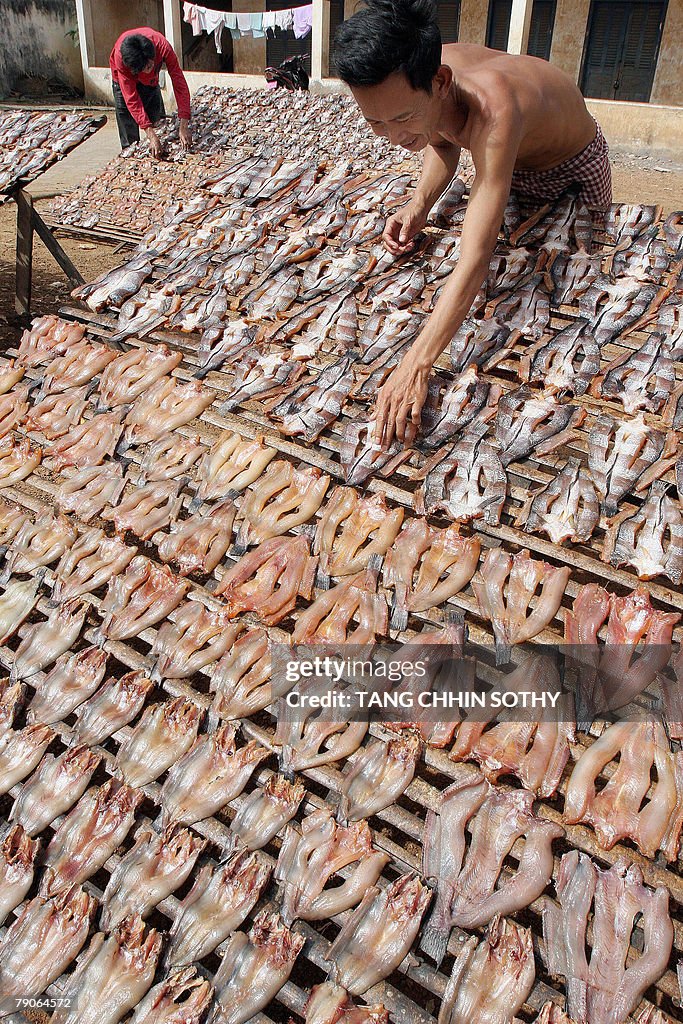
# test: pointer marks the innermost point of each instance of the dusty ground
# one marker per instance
(637, 178)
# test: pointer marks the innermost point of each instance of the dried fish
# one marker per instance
(468, 482)
(527, 307)
(613, 308)
(211, 774)
(466, 398)
(20, 752)
(333, 615)
(567, 363)
(49, 336)
(567, 508)
(17, 855)
(284, 497)
(265, 811)
(309, 738)
(117, 702)
(222, 345)
(574, 274)
(242, 678)
(504, 588)
(55, 786)
(12, 518)
(163, 736)
(528, 423)
(16, 604)
(642, 379)
(115, 286)
(333, 270)
(74, 678)
(140, 597)
(89, 834)
(620, 455)
(197, 544)
(87, 443)
(269, 579)
(148, 509)
(361, 457)
(480, 342)
(602, 988)
(181, 998)
(132, 373)
(353, 530)
(11, 373)
(317, 402)
(218, 903)
(45, 641)
(649, 538)
(163, 407)
(80, 363)
(508, 270)
(192, 640)
(18, 459)
(263, 374)
(38, 544)
(13, 409)
(626, 221)
(147, 311)
(56, 414)
(153, 868)
(89, 489)
(377, 936)
(89, 564)
(253, 969)
(231, 464)
(378, 776)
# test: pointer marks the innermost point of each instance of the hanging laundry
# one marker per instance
(204, 19)
(303, 20)
(284, 20)
(257, 29)
(269, 21)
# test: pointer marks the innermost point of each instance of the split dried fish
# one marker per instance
(331, 271)
(20, 752)
(444, 561)
(11, 373)
(53, 789)
(361, 457)
(378, 776)
(147, 509)
(620, 456)
(352, 612)
(90, 563)
(649, 538)
(18, 459)
(16, 604)
(574, 274)
(80, 363)
(265, 811)
(147, 311)
(613, 308)
(192, 640)
(601, 988)
(466, 398)
(17, 856)
(377, 936)
(308, 738)
(508, 270)
(242, 678)
(472, 887)
(231, 464)
(529, 423)
(13, 409)
(328, 1003)
(181, 998)
(115, 286)
(481, 342)
(12, 518)
(116, 703)
(48, 337)
(642, 379)
(131, 374)
(162, 737)
(567, 508)
(45, 641)
(56, 414)
(253, 969)
(262, 374)
(269, 579)
(222, 345)
(317, 402)
(626, 221)
(561, 226)
(88, 490)
(567, 363)
(352, 531)
(89, 834)
(140, 597)
(197, 544)
(218, 903)
(163, 407)
(211, 774)
(283, 497)
(504, 588)
(153, 868)
(527, 308)
(86, 444)
(467, 482)
(74, 678)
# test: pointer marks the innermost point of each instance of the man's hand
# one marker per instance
(401, 228)
(399, 402)
(185, 135)
(155, 146)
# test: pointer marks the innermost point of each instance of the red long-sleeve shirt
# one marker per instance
(163, 54)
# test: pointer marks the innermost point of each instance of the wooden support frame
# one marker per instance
(28, 222)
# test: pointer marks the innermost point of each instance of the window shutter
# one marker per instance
(448, 16)
(541, 28)
(499, 24)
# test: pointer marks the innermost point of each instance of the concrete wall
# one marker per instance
(111, 18)
(473, 22)
(34, 42)
(569, 33)
(668, 84)
(249, 53)
(647, 127)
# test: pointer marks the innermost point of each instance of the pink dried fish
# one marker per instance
(269, 579)
(116, 703)
(16, 603)
(242, 678)
(378, 776)
(162, 737)
(472, 888)
(48, 336)
(153, 868)
(331, 1004)
(212, 773)
(88, 490)
(262, 813)
(45, 641)
(12, 518)
(352, 530)
(57, 413)
(309, 739)
(133, 373)
(170, 458)
(491, 977)
(11, 698)
(89, 834)
(333, 615)
(378, 935)
(140, 597)
(253, 969)
(148, 509)
(89, 564)
(601, 987)
(55, 786)
(18, 459)
(443, 560)
(181, 998)
(20, 752)
(44, 939)
(163, 407)
(284, 497)
(193, 640)
(17, 856)
(11, 373)
(504, 588)
(87, 443)
(13, 409)
(113, 976)
(310, 858)
(231, 464)
(199, 543)
(80, 363)
(38, 544)
(74, 678)
(218, 903)
(469, 482)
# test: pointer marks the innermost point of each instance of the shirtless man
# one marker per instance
(525, 124)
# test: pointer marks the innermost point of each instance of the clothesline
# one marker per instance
(299, 20)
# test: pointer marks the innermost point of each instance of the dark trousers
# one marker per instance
(152, 101)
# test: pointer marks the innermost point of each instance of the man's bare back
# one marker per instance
(557, 124)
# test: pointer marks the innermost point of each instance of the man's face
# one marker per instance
(405, 116)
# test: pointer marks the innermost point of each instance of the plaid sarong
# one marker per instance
(590, 168)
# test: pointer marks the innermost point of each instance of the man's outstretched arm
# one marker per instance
(439, 165)
(400, 400)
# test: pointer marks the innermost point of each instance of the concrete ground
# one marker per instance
(637, 178)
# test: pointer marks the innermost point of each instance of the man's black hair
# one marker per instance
(387, 36)
(136, 52)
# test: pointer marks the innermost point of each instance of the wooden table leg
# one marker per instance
(24, 268)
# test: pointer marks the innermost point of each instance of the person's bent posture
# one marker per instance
(525, 124)
(135, 62)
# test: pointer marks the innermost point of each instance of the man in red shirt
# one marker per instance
(135, 63)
